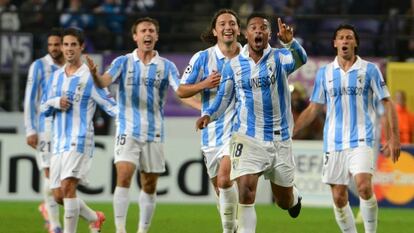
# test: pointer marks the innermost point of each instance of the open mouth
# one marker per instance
(147, 41)
(344, 48)
(228, 34)
(258, 40)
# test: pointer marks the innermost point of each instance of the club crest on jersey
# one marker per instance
(80, 86)
(188, 69)
(269, 67)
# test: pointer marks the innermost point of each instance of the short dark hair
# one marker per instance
(257, 15)
(208, 36)
(76, 32)
(55, 32)
(349, 27)
(145, 19)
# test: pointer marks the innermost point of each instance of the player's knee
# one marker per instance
(125, 183)
(340, 201)
(149, 187)
(58, 196)
(123, 180)
(365, 192)
(224, 182)
(247, 196)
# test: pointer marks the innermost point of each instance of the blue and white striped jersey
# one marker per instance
(141, 95)
(262, 94)
(202, 64)
(39, 73)
(350, 99)
(73, 128)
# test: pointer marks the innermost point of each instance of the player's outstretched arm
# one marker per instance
(393, 146)
(99, 80)
(285, 35)
(188, 90)
(307, 116)
(192, 102)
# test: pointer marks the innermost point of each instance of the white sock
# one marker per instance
(52, 206)
(146, 210)
(71, 206)
(369, 211)
(228, 208)
(121, 203)
(345, 219)
(217, 199)
(86, 212)
(247, 218)
(295, 196)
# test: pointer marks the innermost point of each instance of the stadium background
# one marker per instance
(386, 30)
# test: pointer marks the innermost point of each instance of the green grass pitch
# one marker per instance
(16, 217)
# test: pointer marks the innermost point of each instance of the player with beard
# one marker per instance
(143, 78)
(261, 141)
(203, 76)
(349, 87)
(38, 127)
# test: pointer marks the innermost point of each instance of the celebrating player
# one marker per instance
(261, 142)
(349, 86)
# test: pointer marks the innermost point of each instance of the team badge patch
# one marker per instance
(188, 69)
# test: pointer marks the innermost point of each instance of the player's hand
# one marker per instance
(392, 149)
(213, 80)
(64, 103)
(285, 33)
(32, 141)
(202, 122)
(91, 65)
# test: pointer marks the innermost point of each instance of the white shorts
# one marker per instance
(273, 159)
(212, 157)
(340, 166)
(69, 164)
(44, 151)
(147, 156)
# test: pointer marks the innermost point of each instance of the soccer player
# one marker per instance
(203, 76)
(348, 87)
(143, 77)
(38, 127)
(261, 142)
(71, 99)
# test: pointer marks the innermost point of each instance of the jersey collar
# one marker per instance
(245, 51)
(154, 60)
(220, 55)
(355, 66)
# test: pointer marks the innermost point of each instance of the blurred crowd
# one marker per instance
(110, 19)
(386, 26)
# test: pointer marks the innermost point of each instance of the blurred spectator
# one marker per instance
(220, 4)
(405, 118)
(298, 7)
(364, 7)
(110, 22)
(291, 9)
(248, 7)
(141, 6)
(36, 14)
(75, 15)
(9, 18)
(331, 7)
(403, 48)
